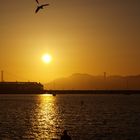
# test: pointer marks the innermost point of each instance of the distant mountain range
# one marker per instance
(89, 82)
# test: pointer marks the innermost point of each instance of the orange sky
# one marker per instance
(83, 36)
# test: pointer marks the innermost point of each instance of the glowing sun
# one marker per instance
(46, 58)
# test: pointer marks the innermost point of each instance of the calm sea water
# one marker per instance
(86, 117)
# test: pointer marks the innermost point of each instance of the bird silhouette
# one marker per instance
(40, 7)
(37, 1)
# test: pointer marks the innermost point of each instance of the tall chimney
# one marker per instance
(104, 75)
(2, 76)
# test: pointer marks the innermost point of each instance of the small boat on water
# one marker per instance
(54, 94)
(51, 92)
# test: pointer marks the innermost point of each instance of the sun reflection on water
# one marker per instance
(46, 118)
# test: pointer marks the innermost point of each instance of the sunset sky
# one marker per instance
(82, 36)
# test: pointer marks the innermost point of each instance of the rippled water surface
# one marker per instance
(86, 117)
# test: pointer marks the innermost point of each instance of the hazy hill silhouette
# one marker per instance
(89, 82)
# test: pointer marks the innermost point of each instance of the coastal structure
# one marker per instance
(20, 87)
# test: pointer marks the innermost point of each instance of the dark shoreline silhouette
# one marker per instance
(126, 92)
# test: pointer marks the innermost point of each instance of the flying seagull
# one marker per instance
(37, 1)
(40, 7)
